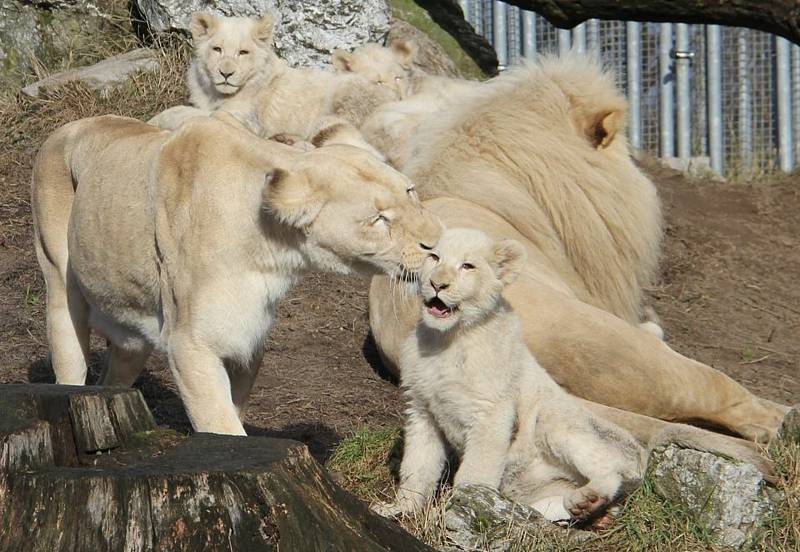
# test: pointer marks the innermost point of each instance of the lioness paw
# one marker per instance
(390, 509)
(584, 502)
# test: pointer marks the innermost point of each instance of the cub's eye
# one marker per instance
(398, 79)
(244, 52)
(217, 49)
(379, 83)
(468, 266)
(434, 256)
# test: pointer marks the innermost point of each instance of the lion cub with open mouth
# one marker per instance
(471, 383)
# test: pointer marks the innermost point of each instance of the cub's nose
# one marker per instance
(438, 287)
(225, 74)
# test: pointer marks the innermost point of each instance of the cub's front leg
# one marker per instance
(486, 448)
(424, 455)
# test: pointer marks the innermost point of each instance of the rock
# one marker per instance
(480, 518)
(102, 76)
(729, 498)
(430, 57)
(790, 426)
(85, 468)
(693, 167)
(306, 33)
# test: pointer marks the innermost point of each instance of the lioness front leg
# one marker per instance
(204, 386)
(486, 450)
(424, 456)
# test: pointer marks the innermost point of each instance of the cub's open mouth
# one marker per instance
(438, 308)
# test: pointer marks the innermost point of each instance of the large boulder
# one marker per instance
(306, 32)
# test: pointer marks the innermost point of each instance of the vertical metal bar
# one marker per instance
(593, 35)
(682, 56)
(499, 34)
(634, 50)
(796, 101)
(514, 42)
(785, 148)
(564, 41)
(528, 34)
(745, 90)
(579, 38)
(666, 91)
(714, 94)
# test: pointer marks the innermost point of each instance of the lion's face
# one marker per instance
(462, 278)
(388, 67)
(356, 212)
(231, 50)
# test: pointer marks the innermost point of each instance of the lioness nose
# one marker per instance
(226, 74)
(438, 287)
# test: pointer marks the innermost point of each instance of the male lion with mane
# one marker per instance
(186, 241)
(539, 155)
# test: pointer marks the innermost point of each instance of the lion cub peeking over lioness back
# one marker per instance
(471, 382)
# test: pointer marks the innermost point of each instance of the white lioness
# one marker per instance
(471, 382)
(186, 241)
(539, 155)
(235, 69)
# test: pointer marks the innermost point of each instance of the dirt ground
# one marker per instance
(728, 295)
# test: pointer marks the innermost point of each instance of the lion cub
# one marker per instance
(471, 383)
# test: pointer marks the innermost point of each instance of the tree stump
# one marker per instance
(86, 468)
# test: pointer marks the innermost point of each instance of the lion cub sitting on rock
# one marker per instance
(471, 383)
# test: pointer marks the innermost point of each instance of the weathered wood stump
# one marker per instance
(86, 469)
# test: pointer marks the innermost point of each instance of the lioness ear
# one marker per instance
(602, 127)
(404, 51)
(292, 198)
(262, 29)
(509, 258)
(342, 60)
(203, 25)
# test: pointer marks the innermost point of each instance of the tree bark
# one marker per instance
(781, 17)
(85, 468)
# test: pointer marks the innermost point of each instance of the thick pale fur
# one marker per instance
(185, 241)
(389, 66)
(266, 94)
(472, 384)
(539, 155)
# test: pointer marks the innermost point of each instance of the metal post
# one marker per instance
(785, 148)
(528, 34)
(666, 91)
(514, 40)
(564, 41)
(745, 90)
(633, 40)
(796, 100)
(579, 38)
(683, 58)
(499, 34)
(593, 35)
(714, 95)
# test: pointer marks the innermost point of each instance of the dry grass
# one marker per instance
(366, 464)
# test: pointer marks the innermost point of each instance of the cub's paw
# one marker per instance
(390, 510)
(584, 503)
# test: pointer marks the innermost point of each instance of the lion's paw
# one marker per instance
(584, 502)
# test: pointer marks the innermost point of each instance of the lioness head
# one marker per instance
(356, 212)
(384, 66)
(230, 51)
(463, 276)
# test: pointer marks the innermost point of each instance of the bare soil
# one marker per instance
(728, 295)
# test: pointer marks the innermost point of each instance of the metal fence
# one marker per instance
(727, 93)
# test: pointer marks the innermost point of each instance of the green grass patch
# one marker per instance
(365, 460)
(411, 13)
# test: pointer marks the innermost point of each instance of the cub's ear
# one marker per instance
(601, 127)
(509, 258)
(292, 198)
(404, 51)
(263, 28)
(342, 60)
(203, 25)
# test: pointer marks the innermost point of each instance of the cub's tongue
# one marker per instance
(438, 311)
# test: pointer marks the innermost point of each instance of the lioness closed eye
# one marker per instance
(472, 383)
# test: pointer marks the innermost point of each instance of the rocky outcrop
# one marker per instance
(102, 77)
(85, 468)
(306, 33)
(730, 499)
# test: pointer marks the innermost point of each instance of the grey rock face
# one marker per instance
(790, 427)
(102, 76)
(480, 518)
(305, 32)
(731, 499)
